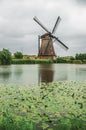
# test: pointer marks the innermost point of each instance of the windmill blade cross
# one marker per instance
(56, 24)
(61, 43)
(37, 20)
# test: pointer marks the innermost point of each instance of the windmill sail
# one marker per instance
(56, 24)
(46, 49)
(37, 20)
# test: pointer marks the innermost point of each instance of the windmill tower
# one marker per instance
(45, 48)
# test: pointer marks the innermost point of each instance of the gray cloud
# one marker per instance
(82, 2)
(18, 31)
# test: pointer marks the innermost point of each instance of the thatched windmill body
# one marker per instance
(45, 42)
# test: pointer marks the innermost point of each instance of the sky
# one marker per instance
(19, 32)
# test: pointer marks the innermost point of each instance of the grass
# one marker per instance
(46, 61)
(29, 61)
(53, 106)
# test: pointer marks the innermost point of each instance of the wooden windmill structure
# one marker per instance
(45, 48)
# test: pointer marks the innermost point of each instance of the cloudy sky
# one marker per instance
(19, 32)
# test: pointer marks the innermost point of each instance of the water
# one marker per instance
(34, 74)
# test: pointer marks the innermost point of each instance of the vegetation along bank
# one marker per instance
(53, 106)
(7, 58)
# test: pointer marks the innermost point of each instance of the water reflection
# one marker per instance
(18, 71)
(46, 73)
(81, 71)
(5, 73)
(61, 72)
(34, 74)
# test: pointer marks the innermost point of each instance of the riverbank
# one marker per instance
(46, 61)
(53, 106)
(33, 61)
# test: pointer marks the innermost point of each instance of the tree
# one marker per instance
(72, 58)
(18, 55)
(81, 56)
(5, 57)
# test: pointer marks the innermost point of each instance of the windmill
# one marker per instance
(45, 48)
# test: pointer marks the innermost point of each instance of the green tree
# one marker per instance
(5, 57)
(18, 55)
(77, 56)
(72, 58)
(81, 56)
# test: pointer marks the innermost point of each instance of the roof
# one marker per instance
(44, 35)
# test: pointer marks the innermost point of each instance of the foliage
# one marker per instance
(80, 56)
(77, 61)
(11, 122)
(5, 57)
(61, 60)
(72, 58)
(18, 55)
(84, 61)
(53, 106)
(28, 61)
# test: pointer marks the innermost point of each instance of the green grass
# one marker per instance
(29, 61)
(53, 106)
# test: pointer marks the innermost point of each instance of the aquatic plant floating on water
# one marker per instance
(48, 106)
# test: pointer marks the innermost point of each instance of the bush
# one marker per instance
(80, 56)
(5, 57)
(72, 58)
(77, 61)
(69, 60)
(84, 61)
(61, 60)
(18, 55)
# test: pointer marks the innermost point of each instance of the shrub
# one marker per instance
(72, 58)
(18, 55)
(84, 61)
(80, 56)
(61, 60)
(77, 61)
(5, 57)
